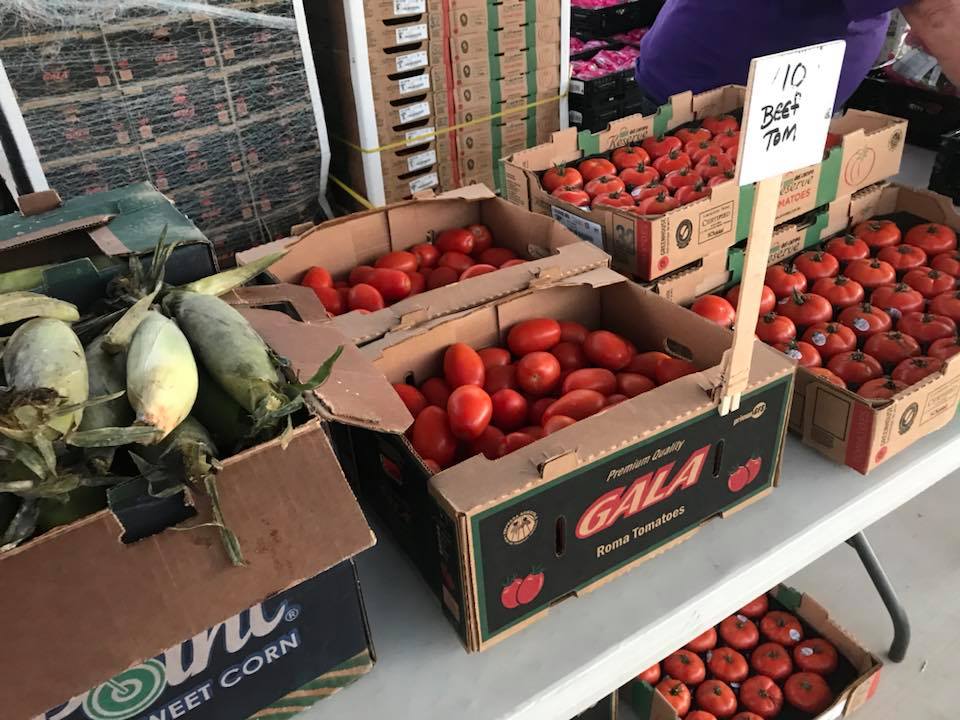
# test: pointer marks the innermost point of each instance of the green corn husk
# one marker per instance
(161, 374)
(9, 504)
(66, 508)
(21, 305)
(45, 354)
(228, 423)
(21, 524)
(230, 279)
(107, 375)
(24, 279)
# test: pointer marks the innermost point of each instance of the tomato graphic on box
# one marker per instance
(522, 591)
(744, 474)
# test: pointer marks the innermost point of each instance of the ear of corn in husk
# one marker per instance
(161, 374)
(107, 375)
(68, 507)
(23, 279)
(119, 336)
(22, 305)
(233, 278)
(227, 421)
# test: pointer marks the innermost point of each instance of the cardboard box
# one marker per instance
(164, 599)
(89, 240)
(382, 34)
(589, 501)
(854, 683)
(870, 151)
(342, 244)
(471, 15)
(385, 9)
(411, 85)
(844, 426)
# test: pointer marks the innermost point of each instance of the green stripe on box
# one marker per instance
(661, 121)
(588, 142)
(493, 54)
(641, 699)
(531, 11)
(830, 176)
(530, 33)
(493, 19)
(745, 211)
(812, 235)
(789, 597)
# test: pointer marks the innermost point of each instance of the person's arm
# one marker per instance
(936, 23)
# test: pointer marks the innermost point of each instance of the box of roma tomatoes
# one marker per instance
(514, 250)
(536, 484)
(784, 656)
(676, 208)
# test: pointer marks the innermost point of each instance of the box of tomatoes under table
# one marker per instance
(401, 256)
(530, 488)
(664, 231)
(783, 656)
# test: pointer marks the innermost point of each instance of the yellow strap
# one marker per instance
(451, 128)
(352, 193)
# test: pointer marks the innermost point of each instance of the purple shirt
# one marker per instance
(702, 44)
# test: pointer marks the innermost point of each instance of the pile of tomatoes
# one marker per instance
(550, 375)
(455, 254)
(748, 668)
(656, 176)
(874, 311)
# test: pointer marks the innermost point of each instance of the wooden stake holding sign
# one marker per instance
(786, 116)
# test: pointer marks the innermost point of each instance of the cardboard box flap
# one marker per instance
(302, 301)
(890, 197)
(26, 235)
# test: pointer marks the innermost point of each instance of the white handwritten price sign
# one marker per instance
(789, 105)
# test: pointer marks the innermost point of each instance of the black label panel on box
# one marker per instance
(567, 534)
(242, 664)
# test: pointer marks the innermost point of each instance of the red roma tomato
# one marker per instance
(570, 355)
(331, 299)
(494, 356)
(760, 695)
(613, 199)
(475, 270)
(691, 193)
(457, 261)
(947, 303)
(417, 282)
(926, 327)
(673, 160)
(441, 276)
(881, 388)
(871, 273)
(538, 373)
(773, 329)
(561, 176)
(929, 283)
(703, 642)
(538, 408)
(865, 320)
(728, 665)
(827, 375)
(607, 350)
(398, 260)
(772, 660)
(756, 608)
(614, 399)
(784, 279)
(576, 404)
(412, 398)
(658, 147)
(715, 309)
(804, 353)
(365, 297)
(573, 331)
(650, 675)
(840, 291)
(716, 697)
(515, 441)
(629, 157)
(317, 277)
(360, 274)
(699, 149)
(686, 667)
(912, 371)
(462, 366)
(646, 363)
(509, 409)
(488, 444)
(508, 595)
(595, 167)
(692, 135)
(733, 153)
(701, 715)
(599, 379)
(482, 237)
(932, 238)
(746, 715)
(458, 240)
(711, 166)
(511, 263)
(470, 409)
(572, 195)
(536, 334)
(657, 204)
(816, 655)
(638, 176)
(717, 179)
(816, 264)
(847, 247)
(427, 255)
(892, 347)
(878, 233)
(496, 256)
(633, 384)
(808, 692)
(944, 348)
(903, 257)
(557, 423)
(897, 299)
(719, 124)
(855, 368)
(651, 189)
(767, 299)
(499, 377)
(948, 262)
(392, 285)
(728, 138)
(436, 391)
(604, 184)
(675, 693)
(782, 627)
(739, 632)
(805, 309)
(432, 437)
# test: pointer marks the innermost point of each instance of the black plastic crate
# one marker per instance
(946, 170)
(603, 22)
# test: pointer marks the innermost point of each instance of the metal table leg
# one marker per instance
(901, 624)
